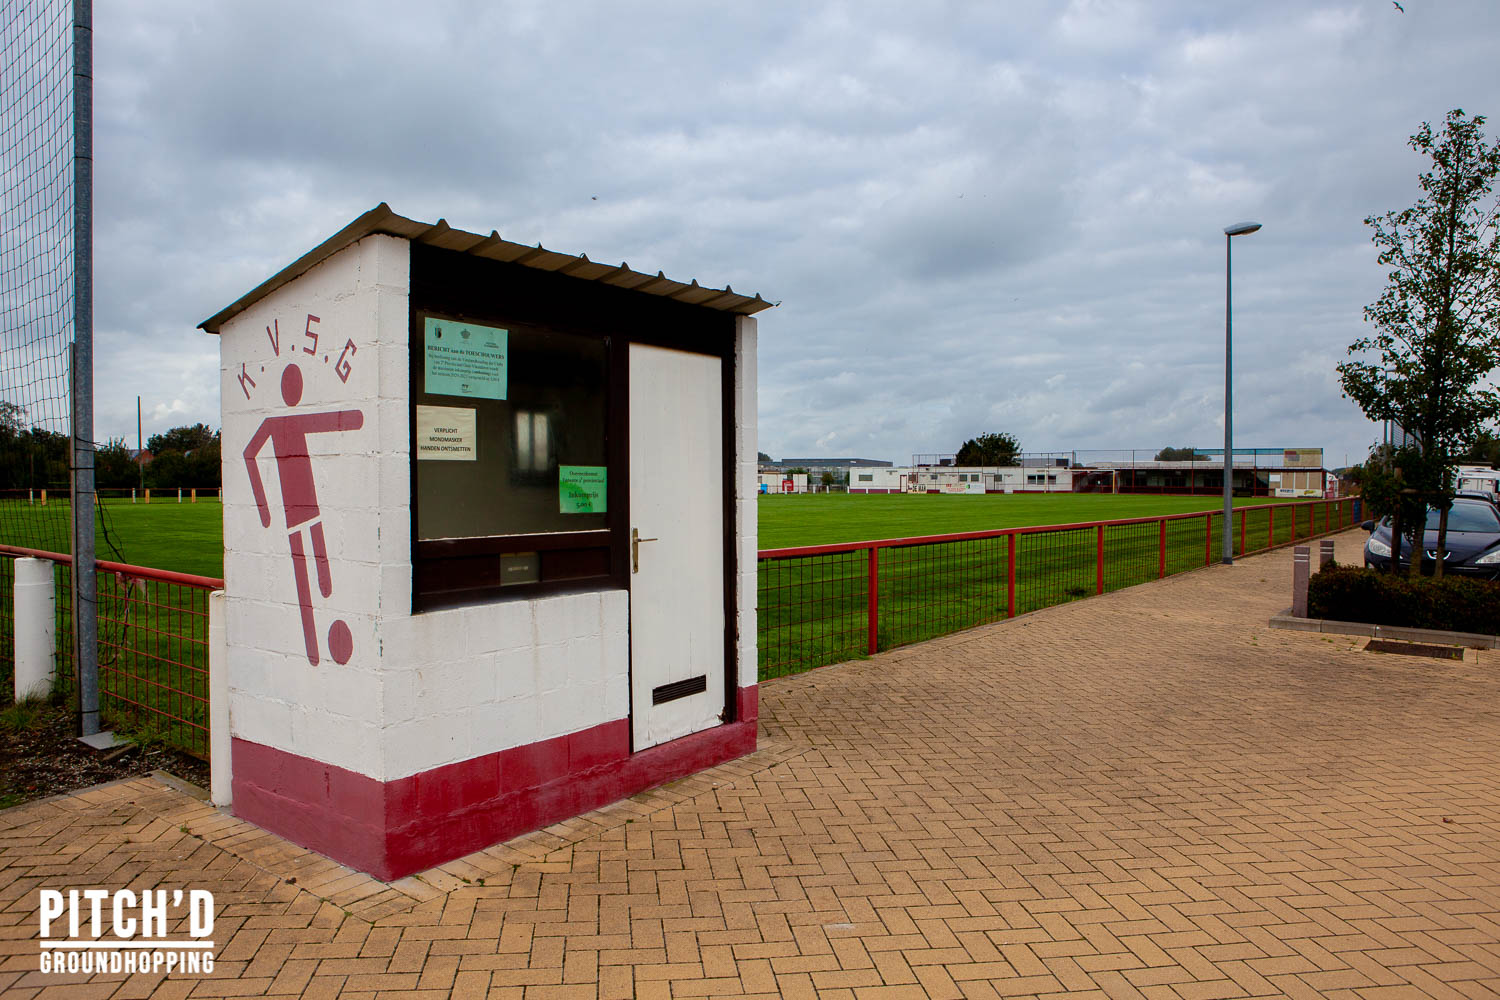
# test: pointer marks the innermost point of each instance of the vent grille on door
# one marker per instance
(679, 689)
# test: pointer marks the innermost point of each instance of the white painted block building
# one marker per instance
(776, 482)
(956, 479)
(461, 600)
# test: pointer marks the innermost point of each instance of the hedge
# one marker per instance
(1453, 604)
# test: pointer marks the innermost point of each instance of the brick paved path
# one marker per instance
(1144, 794)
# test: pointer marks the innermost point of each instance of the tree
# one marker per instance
(989, 449)
(113, 466)
(184, 457)
(1485, 450)
(1385, 484)
(1437, 323)
(182, 439)
(12, 419)
(761, 456)
(1179, 455)
(827, 478)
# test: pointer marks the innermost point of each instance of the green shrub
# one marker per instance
(1453, 604)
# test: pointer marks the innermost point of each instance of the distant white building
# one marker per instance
(961, 479)
(781, 482)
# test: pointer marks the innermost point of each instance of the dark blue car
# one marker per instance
(1473, 547)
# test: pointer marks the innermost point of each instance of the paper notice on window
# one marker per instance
(446, 434)
(464, 359)
(582, 489)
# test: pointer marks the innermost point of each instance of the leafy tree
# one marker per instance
(206, 470)
(827, 478)
(12, 419)
(1484, 451)
(1385, 485)
(167, 471)
(1180, 455)
(988, 450)
(1437, 323)
(184, 458)
(34, 459)
(761, 456)
(183, 439)
(113, 467)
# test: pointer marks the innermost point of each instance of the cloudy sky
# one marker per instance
(975, 216)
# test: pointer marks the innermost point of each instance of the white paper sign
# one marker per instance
(446, 434)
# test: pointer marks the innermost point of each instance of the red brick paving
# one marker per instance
(1147, 794)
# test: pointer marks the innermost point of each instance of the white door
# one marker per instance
(677, 544)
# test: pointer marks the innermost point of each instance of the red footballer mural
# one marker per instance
(287, 436)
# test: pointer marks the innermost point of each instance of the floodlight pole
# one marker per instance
(1230, 232)
(85, 595)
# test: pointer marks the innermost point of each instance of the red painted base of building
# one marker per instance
(393, 828)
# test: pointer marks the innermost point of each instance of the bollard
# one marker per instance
(1325, 553)
(35, 628)
(1301, 557)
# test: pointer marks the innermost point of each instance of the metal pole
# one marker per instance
(85, 596)
(140, 465)
(1228, 413)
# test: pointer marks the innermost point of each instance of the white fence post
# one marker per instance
(36, 628)
(220, 773)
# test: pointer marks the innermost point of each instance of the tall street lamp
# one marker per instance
(1239, 229)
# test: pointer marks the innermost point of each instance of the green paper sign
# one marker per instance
(462, 359)
(581, 489)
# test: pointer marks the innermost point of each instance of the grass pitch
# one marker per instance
(164, 534)
(788, 520)
(189, 537)
(814, 609)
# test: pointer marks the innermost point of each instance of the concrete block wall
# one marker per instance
(746, 445)
(419, 691)
(465, 682)
(445, 731)
(328, 712)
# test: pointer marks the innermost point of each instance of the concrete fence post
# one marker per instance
(219, 770)
(1325, 553)
(1301, 557)
(36, 628)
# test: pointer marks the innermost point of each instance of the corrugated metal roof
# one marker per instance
(381, 219)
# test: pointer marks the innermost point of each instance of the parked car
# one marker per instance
(1485, 495)
(1473, 547)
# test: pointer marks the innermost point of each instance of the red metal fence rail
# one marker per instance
(820, 604)
(153, 645)
(817, 604)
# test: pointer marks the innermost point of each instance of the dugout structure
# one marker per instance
(462, 600)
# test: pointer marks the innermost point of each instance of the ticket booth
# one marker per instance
(489, 531)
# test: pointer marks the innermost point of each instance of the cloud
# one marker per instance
(976, 217)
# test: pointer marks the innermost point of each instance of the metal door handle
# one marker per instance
(635, 549)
